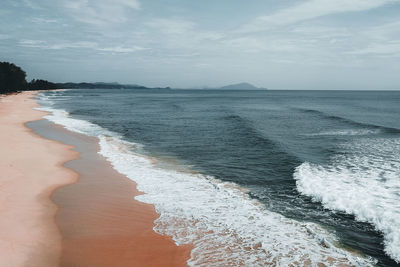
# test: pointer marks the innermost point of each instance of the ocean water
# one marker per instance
(255, 177)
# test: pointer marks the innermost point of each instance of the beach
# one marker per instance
(99, 177)
(62, 204)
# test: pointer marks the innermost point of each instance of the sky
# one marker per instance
(277, 44)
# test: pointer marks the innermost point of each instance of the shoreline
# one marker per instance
(92, 220)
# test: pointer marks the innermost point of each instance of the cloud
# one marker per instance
(247, 44)
(310, 10)
(171, 26)
(382, 49)
(30, 4)
(43, 20)
(321, 32)
(120, 49)
(58, 46)
(382, 40)
(31, 43)
(79, 45)
(180, 36)
(101, 12)
(385, 32)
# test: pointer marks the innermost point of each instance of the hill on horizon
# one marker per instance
(241, 86)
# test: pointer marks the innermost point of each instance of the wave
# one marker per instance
(61, 116)
(246, 129)
(364, 182)
(225, 225)
(350, 122)
(346, 132)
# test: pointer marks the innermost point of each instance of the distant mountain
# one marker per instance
(114, 83)
(241, 86)
(102, 85)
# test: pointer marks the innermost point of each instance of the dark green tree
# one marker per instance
(12, 78)
(41, 85)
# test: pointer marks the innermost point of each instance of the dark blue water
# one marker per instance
(257, 139)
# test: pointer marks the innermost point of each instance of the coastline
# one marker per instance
(69, 207)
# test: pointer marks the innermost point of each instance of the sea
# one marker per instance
(255, 178)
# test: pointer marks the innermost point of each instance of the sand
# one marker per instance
(30, 170)
(58, 212)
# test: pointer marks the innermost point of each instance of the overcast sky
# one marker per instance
(279, 44)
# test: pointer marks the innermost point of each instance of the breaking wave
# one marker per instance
(363, 181)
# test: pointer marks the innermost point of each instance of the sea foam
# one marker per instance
(363, 181)
(226, 226)
(347, 132)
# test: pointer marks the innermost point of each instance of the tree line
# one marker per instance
(13, 79)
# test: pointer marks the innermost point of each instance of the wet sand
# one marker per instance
(101, 223)
(93, 221)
